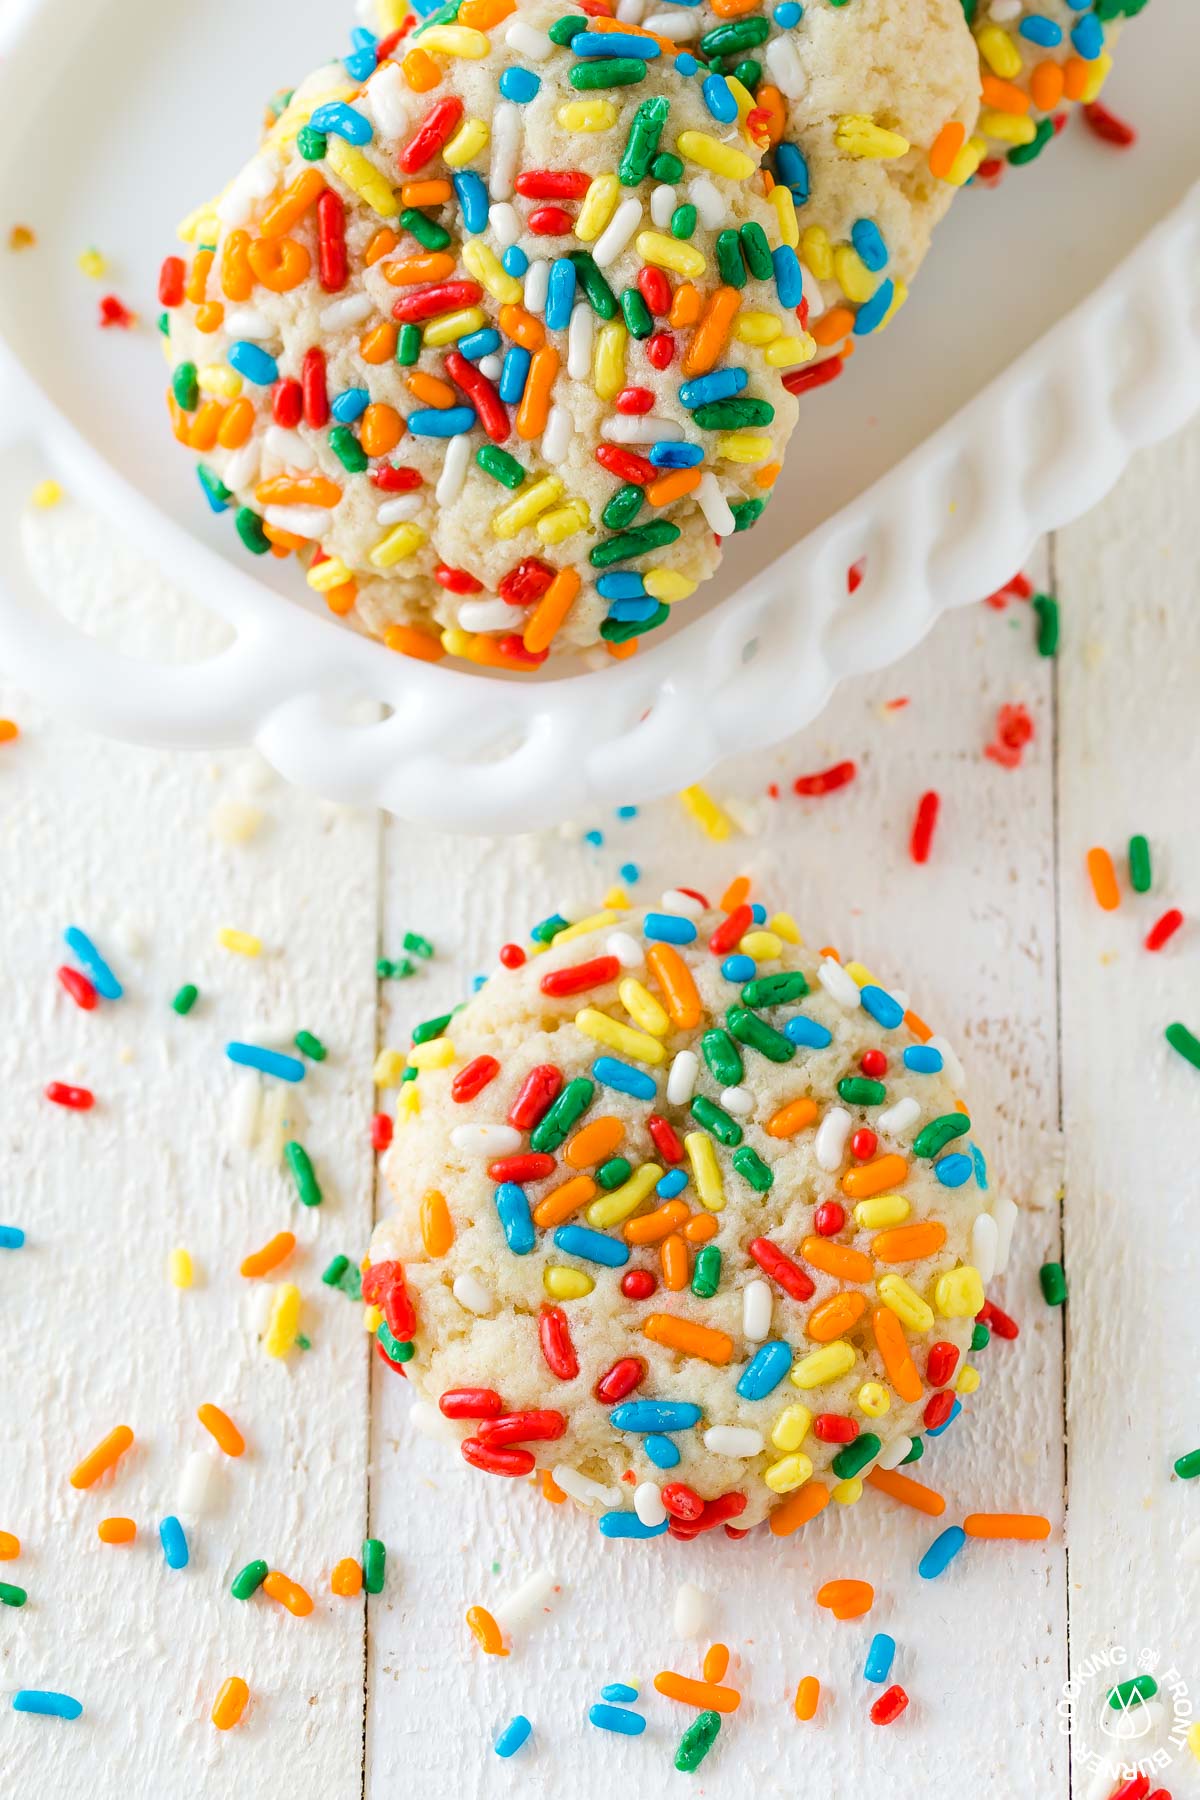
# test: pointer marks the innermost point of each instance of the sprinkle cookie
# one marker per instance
(689, 1219)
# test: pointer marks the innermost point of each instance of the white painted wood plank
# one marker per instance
(119, 841)
(1130, 762)
(982, 1651)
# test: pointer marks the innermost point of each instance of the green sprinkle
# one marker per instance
(749, 73)
(642, 141)
(409, 1074)
(706, 1276)
(756, 251)
(1132, 1692)
(683, 221)
(310, 1045)
(619, 631)
(614, 1173)
(1140, 873)
(1046, 610)
(1188, 1467)
(916, 1452)
(185, 385)
(394, 971)
(374, 1565)
(1027, 153)
(775, 990)
(1188, 1046)
(636, 313)
(311, 144)
(213, 486)
(596, 290)
(303, 1173)
(164, 323)
(723, 1057)
(981, 1337)
(348, 450)
(247, 1581)
(729, 258)
(500, 465)
(564, 29)
(185, 999)
(445, 15)
(408, 345)
(607, 71)
(654, 536)
(392, 1347)
(667, 167)
(756, 1034)
(747, 513)
(548, 929)
(716, 1121)
(337, 1268)
(11, 1595)
(697, 1741)
(741, 34)
(751, 1167)
(250, 530)
(567, 1110)
(856, 1456)
(731, 415)
(1054, 1283)
(428, 233)
(860, 1090)
(429, 1029)
(301, 1342)
(624, 506)
(416, 945)
(968, 7)
(939, 1132)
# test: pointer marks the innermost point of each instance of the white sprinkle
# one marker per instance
(385, 99)
(676, 901)
(630, 428)
(708, 201)
(838, 985)
(289, 448)
(454, 469)
(243, 1113)
(692, 1611)
(431, 1423)
(472, 1294)
(351, 310)
(525, 1603)
(894, 1452)
(302, 521)
(785, 67)
(1005, 10)
(662, 205)
(757, 1302)
(678, 26)
(955, 1073)
(507, 131)
(617, 232)
(198, 1484)
(505, 223)
(243, 465)
(487, 1140)
(397, 511)
(812, 293)
(733, 1440)
(717, 512)
(900, 997)
(486, 615)
(537, 281)
(738, 1100)
(681, 1081)
(648, 1502)
(898, 1118)
(257, 181)
(236, 822)
(556, 439)
(630, 11)
(491, 366)
(626, 949)
(276, 1123)
(1005, 1213)
(248, 322)
(829, 1145)
(580, 338)
(526, 41)
(582, 1489)
(1190, 1547)
(985, 1237)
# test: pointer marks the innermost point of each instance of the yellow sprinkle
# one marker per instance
(587, 115)
(92, 263)
(708, 815)
(905, 1302)
(438, 1053)
(361, 177)
(45, 495)
(788, 352)
(899, 296)
(959, 1293)
(671, 253)
(791, 1427)
(642, 1007)
(623, 1039)
(709, 153)
(744, 447)
(848, 1492)
(486, 267)
(816, 252)
(789, 1472)
(668, 585)
(471, 137)
(452, 326)
(966, 162)
(852, 274)
(389, 1067)
(884, 1209)
(743, 97)
(623, 1202)
(391, 14)
(408, 1101)
(599, 205)
(455, 40)
(860, 973)
(401, 542)
(555, 527)
(566, 1284)
(784, 926)
(616, 896)
(1007, 127)
(455, 642)
(785, 212)
(763, 946)
(1097, 75)
(583, 927)
(873, 1399)
(179, 1268)
(858, 135)
(219, 379)
(706, 1170)
(1193, 1739)
(999, 52)
(242, 943)
(758, 327)
(328, 575)
(968, 1380)
(372, 1319)
(829, 1363)
(608, 360)
(284, 1321)
(526, 507)
(200, 226)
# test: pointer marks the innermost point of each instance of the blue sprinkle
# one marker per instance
(514, 261)
(763, 1374)
(686, 63)
(792, 170)
(620, 1693)
(623, 812)
(560, 294)
(512, 1204)
(787, 15)
(622, 584)
(661, 1451)
(867, 239)
(214, 489)
(722, 384)
(629, 872)
(883, 1009)
(1088, 37)
(473, 199)
(1041, 30)
(655, 1415)
(11, 1237)
(514, 374)
(980, 1162)
(758, 912)
(103, 979)
(441, 422)
(880, 1657)
(672, 1183)
(921, 1059)
(593, 837)
(614, 43)
(672, 453)
(360, 64)
(520, 85)
(513, 1736)
(362, 39)
(937, 1430)
(615, 1718)
(953, 1170)
(425, 7)
(739, 969)
(807, 1033)
(789, 281)
(590, 1246)
(633, 609)
(350, 405)
(611, 1072)
(252, 361)
(477, 982)
(669, 928)
(478, 344)
(50, 1705)
(174, 1543)
(627, 1525)
(718, 97)
(871, 313)
(267, 1062)
(941, 1552)
(336, 119)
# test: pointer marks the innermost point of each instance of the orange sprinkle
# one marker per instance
(1026, 1526)
(769, 100)
(675, 1266)
(437, 1227)
(222, 1428)
(697, 1693)
(831, 326)
(379, 344)
(558, 1205)
(595, 1143)
(1075, 77)
(10, 1546)
(712, 333)
(9, 730)
(116, 1531)
(768, 475)
(197, 282)
(237, 277)
(673, 486)
(835, 1316)
(837, 1259)
(428, 388)
(484, 15)
(410, 271)
(104, 1457)
(651, 1228)
(206, 422)
(420, 71)
(1103, 878)
(381, 245)
(945, 147)
(916, 1024)
(1005, 96)
(736, 894)
(700, 1227)
(346, 1579)
(716, 1662)
(381, 429)
(693, 1340)
(550, 1488)
(1046, 84)
(733, 9)
(292, 204)
(907, 1491)
(551, 610)
(237, 425)
(261, 1262)
(486, 1630)
(411, 642)
(426, 193)
(288, 1593)
(210, 317)
(846, 1599)
(687, 303)
(281, 264)
(623, 652)
(873, 1177)
(283, 542)
(792, 1118)
(298, 490)
(522, 327)
(893, 1347)
(807, 1695)
(676, 984)
(532, 414)
(340, 600)
(800, 1506)
(907, 1243)
(230, 1703)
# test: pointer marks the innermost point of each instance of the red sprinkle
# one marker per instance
(924, 826)
(638, 1284)
(389, 478)
(382, 1131)
(494, 1461)
(537, 1427)
(79, 987)
(826, 781)
(471, 1403)
(834, 1428)
(854, 575)
(430, 135)
(1019, 588)
(473, 1079)
(1136, 1788)
(526, 582)
(665, 1138)
(731, 931)
(829, 1218)
(316, 395)
(76, 1098)
(536, 1096)
(660, 349)
(493, 414)
(550, 221)
(625, 1375)
(1165, 928)
(171, 279)
(399, 1312)
(889, 1706)
(635, 400)
(864, 1143)
(554, 1335)
(511, 956)
(938, 1409)
(997, 1321)
(873, 1063)
(625, 465)
(814, 375)
(446, 296)
(580, 976)
(331, 242)
(780, 1267)
(681, 1501)
(716, 1512)
(287, 404)
(941, 1363)
(1107, 126)
(553, 184)
(115, 315)
(391, 1363)
(534, 1165)
(655, 290)
(456, 581)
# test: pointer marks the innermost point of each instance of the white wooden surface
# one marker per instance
(1056, 1006)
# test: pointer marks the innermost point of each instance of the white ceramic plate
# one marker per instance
(1054, 330)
